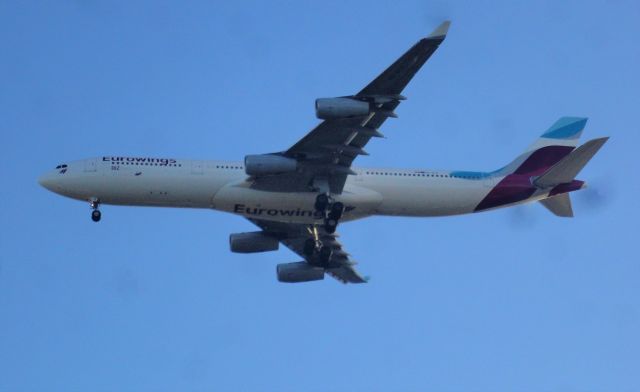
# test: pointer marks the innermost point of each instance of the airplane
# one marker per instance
(297, 197)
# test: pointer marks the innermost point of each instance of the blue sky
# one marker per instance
(152, 299)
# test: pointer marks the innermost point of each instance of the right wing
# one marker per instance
(294, 236)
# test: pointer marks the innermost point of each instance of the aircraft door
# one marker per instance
(90, 165)
(197, 167)
(490, 181)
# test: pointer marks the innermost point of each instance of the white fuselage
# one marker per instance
(225, 186)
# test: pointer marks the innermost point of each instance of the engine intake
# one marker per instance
(334, 108)
(253, 242)
(262, 165)
(299, 272)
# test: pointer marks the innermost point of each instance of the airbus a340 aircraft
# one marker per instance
(298, 196)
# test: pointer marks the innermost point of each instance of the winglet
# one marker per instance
(440, 31)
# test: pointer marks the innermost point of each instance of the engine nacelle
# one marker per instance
(299, 272)
(262, 165)
(333, 108)
(253, 242)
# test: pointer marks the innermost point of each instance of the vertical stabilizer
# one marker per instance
(564, 132)
(553, 145)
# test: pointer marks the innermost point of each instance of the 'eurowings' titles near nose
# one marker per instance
(162, 161)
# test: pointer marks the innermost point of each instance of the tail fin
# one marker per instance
(547, 169)
(560, 179)
(569, 167)
(556, 143)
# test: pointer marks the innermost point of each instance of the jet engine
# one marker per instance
(253, 242)
(333, 108)
(263, 165)
(299, 272)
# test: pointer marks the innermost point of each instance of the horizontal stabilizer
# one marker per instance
(559, 205)
(569, 167)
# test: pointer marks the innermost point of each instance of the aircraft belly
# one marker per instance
(291, 207)
(177, 191)
(436, 199)
(147, 189)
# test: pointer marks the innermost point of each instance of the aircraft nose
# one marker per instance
(49, 181)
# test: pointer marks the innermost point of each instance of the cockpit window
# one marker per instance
(62, 168)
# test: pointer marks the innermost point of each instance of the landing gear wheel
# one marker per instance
(330, 225)
(309, 247)
(325, 255)
(322, 202)
(95, 214)
(336, 211)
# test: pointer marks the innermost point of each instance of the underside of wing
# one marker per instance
(325, 155)
(321, 251)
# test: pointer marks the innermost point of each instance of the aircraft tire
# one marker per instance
(336, 211)
(322, 202)
(330, 225)
(309, 247)
(325, 255)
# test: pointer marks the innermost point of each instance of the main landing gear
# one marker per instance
(324, 253)
(95, 214)
(317, 252)
(330, 210)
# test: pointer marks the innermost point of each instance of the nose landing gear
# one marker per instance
(95, 214)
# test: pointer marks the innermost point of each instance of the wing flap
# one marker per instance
(346, 274)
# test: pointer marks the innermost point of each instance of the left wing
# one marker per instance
(295, 236)
(327, 152)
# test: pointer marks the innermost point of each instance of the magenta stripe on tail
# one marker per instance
(517, 186)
